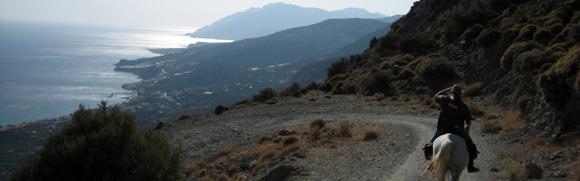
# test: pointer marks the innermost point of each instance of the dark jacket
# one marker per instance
(453, 112)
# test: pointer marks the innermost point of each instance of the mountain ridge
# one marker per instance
(257, 22)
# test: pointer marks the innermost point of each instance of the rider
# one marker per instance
(453, 113)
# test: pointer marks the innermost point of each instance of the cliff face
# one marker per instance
(523, 53)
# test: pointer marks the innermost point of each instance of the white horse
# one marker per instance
(451, 155)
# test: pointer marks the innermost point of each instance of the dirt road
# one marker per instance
(395, 156)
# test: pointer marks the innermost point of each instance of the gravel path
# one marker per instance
(395, 155)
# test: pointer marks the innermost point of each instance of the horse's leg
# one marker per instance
(455, 177)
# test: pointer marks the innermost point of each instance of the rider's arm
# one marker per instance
(442, 92)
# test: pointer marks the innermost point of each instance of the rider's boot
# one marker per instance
(471, 168)
(472, 149)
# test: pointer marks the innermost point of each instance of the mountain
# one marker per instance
(208, 75)
(258, 22)
(390, 19)
(520, 58)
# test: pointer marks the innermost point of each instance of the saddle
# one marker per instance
(471, 149)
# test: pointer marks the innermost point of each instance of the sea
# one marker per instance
(48, 69)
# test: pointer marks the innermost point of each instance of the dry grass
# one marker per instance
(514, 171)
(538, 143)
(491, 126)
(473, 90)
(289, 140)
(509, 152)
(523, 101)
(260, 155)
(345, 130)
(511, 120)
(370, 135)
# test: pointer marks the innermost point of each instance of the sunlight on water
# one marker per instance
(47, 70)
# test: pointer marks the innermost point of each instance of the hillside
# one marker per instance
(519, 61)
(272, 18)
(199, 78)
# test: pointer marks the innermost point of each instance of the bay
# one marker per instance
(48, 69)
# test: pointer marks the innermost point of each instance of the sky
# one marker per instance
(171, 13)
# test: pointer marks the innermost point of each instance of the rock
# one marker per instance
(560, 174)
(271, 101)
(285, 132)
(281, 172)
(184, 117)
(533, 171)
(158, 126)
(557, 155)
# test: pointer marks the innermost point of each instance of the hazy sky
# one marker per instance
(188, 13)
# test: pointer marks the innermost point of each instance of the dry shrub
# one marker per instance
(333, 146)
(523, 101)
(370, 135)
(476, 110)
(510, 152)
(269, 155)
(317, 123)
(223, 177)
(538, 143)
(241, 177)
(289, 140)
(426, 99)
(345, 130)
(491, 117)
(315, 133)
(511, 120)
(260, 166)
(233, 168)
(514, 171)
(473, 90)
(491, 126)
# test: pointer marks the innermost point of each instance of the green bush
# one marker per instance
(543, 35)
(312, 86)
(339, 67)
(103, 144)
(416, 43)
(528, 31)
(488, 37)
(555, 83)
(514, 51)
(295, 87)
(426, 99)
(348, 87)
(406, 74)
(529, 61)
(378, 82)
(320, 123)
(219, 109)
(264, 95)
(326, 87)
(472, 33)
(440, 68)
(388, 44)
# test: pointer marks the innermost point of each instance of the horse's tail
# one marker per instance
(439, 162)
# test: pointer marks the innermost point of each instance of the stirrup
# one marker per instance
(428, 151)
